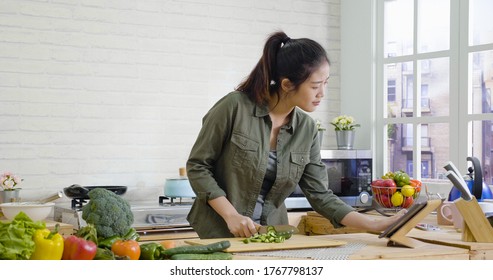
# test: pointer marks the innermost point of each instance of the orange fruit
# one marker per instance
(167, 244)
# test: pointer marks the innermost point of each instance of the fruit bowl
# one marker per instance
(395, 197)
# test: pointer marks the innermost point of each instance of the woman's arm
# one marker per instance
(368, 222)
(238, 225)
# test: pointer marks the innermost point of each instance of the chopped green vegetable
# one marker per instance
(271, 236)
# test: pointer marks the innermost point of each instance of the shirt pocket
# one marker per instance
(244, 150)
(297, 163)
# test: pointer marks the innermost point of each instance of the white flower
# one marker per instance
(8, 181)
(344, 122)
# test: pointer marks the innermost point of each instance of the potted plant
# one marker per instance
(344, 127)
(320, 130)
(9, 191)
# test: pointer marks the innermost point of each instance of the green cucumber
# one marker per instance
(208, 256)
(285, 234)
(198, 249)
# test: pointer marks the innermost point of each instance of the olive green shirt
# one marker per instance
(230, 158)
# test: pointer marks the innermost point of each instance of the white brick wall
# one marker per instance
(113, 92)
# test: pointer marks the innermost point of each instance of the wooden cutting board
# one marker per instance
(296, 241)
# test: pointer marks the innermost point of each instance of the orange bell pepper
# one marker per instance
(126, 248)
(416, 184)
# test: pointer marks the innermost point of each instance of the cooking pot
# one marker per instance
(178, 186)
(474, 182)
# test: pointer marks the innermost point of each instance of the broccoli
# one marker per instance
(109, 213)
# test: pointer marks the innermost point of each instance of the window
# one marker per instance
(391, 90)
(435, 60)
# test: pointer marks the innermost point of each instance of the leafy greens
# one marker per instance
(16, 237)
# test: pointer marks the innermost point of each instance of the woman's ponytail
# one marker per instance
(262, 81)
(282, 57)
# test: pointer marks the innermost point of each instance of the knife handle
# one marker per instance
(451, 167)
(462, 187)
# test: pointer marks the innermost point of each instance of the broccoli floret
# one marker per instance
(109, 213)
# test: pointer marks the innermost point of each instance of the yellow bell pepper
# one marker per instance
(48, 244)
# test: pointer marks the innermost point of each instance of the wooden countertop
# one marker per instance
(362, 246)
(449, 236)
(377, 248)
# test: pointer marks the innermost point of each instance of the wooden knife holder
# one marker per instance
(399, 238)
(476, 227)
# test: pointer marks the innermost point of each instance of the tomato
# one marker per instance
(126, 248)
(167, 244)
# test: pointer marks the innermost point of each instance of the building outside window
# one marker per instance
(437, 75)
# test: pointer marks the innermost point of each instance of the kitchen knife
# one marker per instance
(279, 228)
(460, 185)
(451, 167)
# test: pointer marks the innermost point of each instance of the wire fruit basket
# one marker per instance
(395, 198)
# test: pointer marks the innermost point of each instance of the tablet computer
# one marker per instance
(411, 212)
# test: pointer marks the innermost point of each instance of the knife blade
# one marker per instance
(460, 185)
(279, 228)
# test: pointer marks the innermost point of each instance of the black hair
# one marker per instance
(283, 57)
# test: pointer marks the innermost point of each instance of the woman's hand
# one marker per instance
(238, 225)
(384, 223)
(241, 226)
(370, 222)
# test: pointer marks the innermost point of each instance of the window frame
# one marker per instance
(458, 118)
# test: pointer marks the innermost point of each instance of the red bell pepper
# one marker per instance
(76, 248)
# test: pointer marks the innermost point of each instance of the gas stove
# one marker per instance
(165, 214)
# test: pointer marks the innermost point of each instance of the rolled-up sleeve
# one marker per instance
(314, 184)
(207, 149)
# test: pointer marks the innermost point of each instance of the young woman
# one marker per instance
(257, 144)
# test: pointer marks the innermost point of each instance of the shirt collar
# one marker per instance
(263, 111)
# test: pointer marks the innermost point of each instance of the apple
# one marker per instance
(390, 186)
(408, 201)
(377, 182)
(384, 200)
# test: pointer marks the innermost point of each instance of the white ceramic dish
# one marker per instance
(36, 212)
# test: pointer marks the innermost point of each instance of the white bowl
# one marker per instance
(35, 211)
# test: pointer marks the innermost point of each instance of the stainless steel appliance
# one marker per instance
(164, 214)
(350, 176)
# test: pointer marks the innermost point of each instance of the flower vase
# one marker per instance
(10, 195)
(320, 137)
(345, 139)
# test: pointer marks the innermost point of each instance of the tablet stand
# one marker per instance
(400, 238)
(476, 226)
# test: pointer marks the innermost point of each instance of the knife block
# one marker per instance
(399, 238)
(476, 227)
